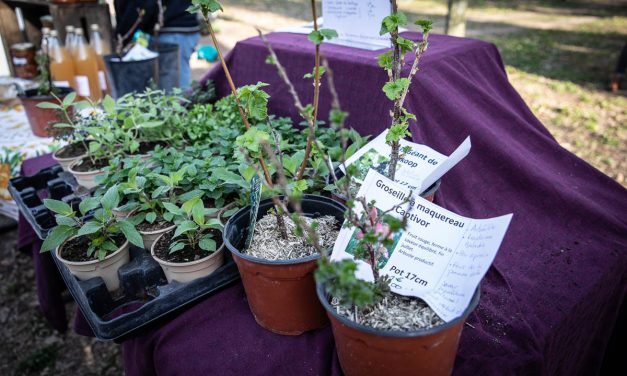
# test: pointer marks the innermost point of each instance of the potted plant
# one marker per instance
(95, 247)
(277, 267)
(40, 115)
(195, 248)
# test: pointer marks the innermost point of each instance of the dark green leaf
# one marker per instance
(56, 236)
(131, 234)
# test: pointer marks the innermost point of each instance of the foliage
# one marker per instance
(193, 229)
(200, 93)
(101, 230)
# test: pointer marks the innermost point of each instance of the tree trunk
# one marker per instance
(456, 18)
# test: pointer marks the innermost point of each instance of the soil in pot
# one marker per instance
(75, 249)
(74, 150)
(187, 254)
(87, 165)
(268, 244)
(154, 226)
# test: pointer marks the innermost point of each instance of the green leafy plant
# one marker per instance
(102, 230)
(193, 229)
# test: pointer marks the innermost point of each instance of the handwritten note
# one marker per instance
(357, 21)
(441, 257)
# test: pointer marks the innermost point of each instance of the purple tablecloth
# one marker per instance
(550, 303)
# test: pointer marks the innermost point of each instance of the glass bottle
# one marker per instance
(61, 64)
(86, 67)
(69, 38)
(101, 49)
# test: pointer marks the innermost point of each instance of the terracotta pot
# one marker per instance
(66, 162)
(281, 294)
(40, 118)
(188, 271)
(107, 269)
(365, 351)
(150, 237)
(88, 178)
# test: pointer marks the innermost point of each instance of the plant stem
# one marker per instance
(312, 124)
(234, 91)
(397, 109)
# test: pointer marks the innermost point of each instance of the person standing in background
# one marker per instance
(178, 26)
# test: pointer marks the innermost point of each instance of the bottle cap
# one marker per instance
(45, 30)
(69, 28)
(53, 33)
(94, 27)
(78, 31)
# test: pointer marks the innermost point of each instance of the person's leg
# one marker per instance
(186, 42)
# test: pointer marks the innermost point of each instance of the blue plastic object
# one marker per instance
(207, 52)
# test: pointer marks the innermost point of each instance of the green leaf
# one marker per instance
(394, 89)
(185, 226)
(69, 99)
(108, 104)
(63, 125)
(131, 234)
(56, 236)
(406, 45)
(150, 217)
(67, 221)
(110, 199)
(254, 100)
(270, 60)
(208, 5)
(392, 22)
(58, 207)
(328, 33)
(198, 213)
(386, 60)
(426, 25)
(207, 244)
(173, 208)
(49, 106)
(316, 37)
(89, 228)
(176, 246)
(151, 124)
(229, 177)
(89, 203)
(321, 71)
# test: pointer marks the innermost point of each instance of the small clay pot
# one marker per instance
(150, 237)
(86, 179)
(281, 294)
(40, 119)
(365, 351)
(66, 162)
(184, 272)
(107, 269)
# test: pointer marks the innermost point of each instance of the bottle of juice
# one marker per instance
(100, 48)
(69, 38)
(61, 64)
(86, 67)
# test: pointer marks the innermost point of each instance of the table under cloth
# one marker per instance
(550, 303)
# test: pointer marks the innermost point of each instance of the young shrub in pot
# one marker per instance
(95, 247)
(194, 249)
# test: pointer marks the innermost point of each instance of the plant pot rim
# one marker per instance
(90, 262)
(54, 155)
(28, 94)
(154, 232)
(83, 173)
(258, 260)
(322, 296)
(187, 263)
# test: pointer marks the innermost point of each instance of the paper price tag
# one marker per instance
(255, 198)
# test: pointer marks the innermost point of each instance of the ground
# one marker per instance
(558, 54)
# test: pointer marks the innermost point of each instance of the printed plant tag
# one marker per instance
(255, 198)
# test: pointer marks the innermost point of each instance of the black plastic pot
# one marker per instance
(364, 351)
(281, 294)
(169, 66)
(130, 76)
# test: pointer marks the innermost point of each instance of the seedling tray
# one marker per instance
(145, 297)
(29, 192)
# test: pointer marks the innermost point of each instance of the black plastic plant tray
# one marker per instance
(29, 192)
(144, 296)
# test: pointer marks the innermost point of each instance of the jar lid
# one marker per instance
(22, 46)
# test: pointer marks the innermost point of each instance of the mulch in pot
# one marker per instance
(187, 254)
(75, 249)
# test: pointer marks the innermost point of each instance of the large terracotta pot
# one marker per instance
(188, 271)
(107, 268)
(40, 118)
(281, 294)
(365, 351)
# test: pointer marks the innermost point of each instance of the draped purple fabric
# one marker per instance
(550, 303)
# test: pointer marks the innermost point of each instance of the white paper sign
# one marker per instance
(417, 170)
(441, 256)
(357, 22)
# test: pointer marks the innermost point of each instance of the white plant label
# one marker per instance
(357, 22)
(441, 256)
(417, 170)
(61, 83)
(82, 86)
